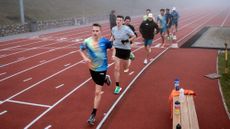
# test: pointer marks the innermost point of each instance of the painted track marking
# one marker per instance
(3, 112)
(131, 73)
(48, 127)
(3, 73)
(28, 103)
(37, 65)
(59, 86)
(67, 64)
(28, 79)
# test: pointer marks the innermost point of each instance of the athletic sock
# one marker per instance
(117, 84)
(94, 111)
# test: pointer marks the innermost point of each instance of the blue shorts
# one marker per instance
(162, 30)
(148, 42)
(169, 25)
(174, 23)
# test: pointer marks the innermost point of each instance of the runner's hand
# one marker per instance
(113, 57)
(124, 41)
(87, 60)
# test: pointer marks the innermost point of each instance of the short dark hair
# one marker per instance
(148, 10)
(162, 9)
(167, 9)
(96, 24)
(120, 16)
(113, 11)
(128, 17)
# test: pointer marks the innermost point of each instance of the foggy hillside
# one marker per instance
(56, 9)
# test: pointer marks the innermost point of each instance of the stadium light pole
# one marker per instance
(22, 11)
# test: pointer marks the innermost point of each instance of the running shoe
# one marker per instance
(145, 61)
(91, 119)
(132, 56)
(174, 37)
(117, 90)
(108, 80)
(126, 70)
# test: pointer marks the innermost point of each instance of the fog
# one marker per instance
(55, 9)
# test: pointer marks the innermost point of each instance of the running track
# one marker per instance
(45, 84)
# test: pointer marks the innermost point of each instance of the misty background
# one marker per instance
(58, 9)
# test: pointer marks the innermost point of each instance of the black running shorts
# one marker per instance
(98, 77)
(122, 53)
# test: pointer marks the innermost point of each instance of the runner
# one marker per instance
(169, 23)
(122, 35)
(161, 20)
(145, 17)
(128, 23)
(94, 53)
(175, 18)
(148, 29)
(112, 19)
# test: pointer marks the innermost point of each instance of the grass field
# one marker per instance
(225, 78)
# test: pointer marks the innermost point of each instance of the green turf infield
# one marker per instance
(225, 78)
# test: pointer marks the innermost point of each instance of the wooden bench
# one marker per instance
(187, 117)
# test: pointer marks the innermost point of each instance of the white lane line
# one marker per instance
(59, 86)
(157, 45)
(23, 71)
(51, 50)
(225, 20)
(36, 55)
(10, 48)
(21, 58)
(31, 49)
(42, 61)
(59, 101)
(67, 64)
(175, 45)
(41, 81)
(3, 73)
(28, 79)
(1, 102)
(131, 73)
(28, 103)
(77, 40)
(11, 42)
(48, 127)
(23, 45)
(3, 112)
(3, 55)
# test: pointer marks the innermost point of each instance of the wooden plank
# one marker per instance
(185, 114)
(176, 117)
(192, 113)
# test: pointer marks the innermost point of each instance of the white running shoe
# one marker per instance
(108, 80)
(145, 61)
(126, 70)
(174, 37)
